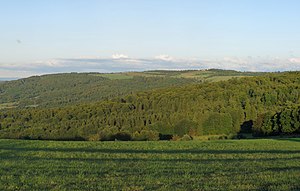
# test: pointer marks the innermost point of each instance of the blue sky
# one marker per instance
(50, 36)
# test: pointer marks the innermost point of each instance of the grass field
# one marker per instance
(8, 105)
(204, 75)
(114, 76)
(195, 165)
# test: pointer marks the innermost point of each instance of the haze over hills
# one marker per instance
(7, 79)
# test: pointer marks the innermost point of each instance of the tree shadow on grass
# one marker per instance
(289, 139)
(138, 159)
(157, 166)
(149, 151)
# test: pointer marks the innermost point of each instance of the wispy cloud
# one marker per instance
(119, 56)
(122, 62)
(165, 57)
(295, 60)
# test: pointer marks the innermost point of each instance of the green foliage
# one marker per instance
(186, 126)
(218, 123)
(264, 125)
(58, 90)
(285, 122)
(186, 138)
(122, 136)
(194, 109)
(146, 135)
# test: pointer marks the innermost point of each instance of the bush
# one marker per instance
(240, 136)
(222, 137)
(95, 137)
(175, 138)
(185, 126)
(107, 134)
(122, 136)
(186, 138)
(145, 135)
(165, 137)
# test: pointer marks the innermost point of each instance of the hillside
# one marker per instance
(225, 107)
(73, 88)
(68, 89)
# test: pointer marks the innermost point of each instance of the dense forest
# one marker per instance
(286, 121)
(58, 90)
(67, 89)
(262, 105)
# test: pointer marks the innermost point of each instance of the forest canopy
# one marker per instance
(262, 105)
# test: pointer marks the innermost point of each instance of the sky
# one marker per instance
(51, 36)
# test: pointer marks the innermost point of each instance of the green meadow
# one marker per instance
(265, 164)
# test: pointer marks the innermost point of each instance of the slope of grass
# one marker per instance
(115, 76)
(216, 165)
(200, 75)
(8, 105)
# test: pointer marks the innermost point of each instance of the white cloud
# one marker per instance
(119, 56)
(165, 57)
(295, 60)
(121, 62)
(235, 60)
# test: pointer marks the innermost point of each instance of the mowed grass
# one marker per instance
(203, 75)
(115, 76)
(195, 165)
(8, 105)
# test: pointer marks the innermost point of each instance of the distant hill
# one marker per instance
(7, 79)
(58, 90)
(224, 107)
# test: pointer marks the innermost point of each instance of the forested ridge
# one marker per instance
(226, 107)
(56, 90)
(66, 89)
